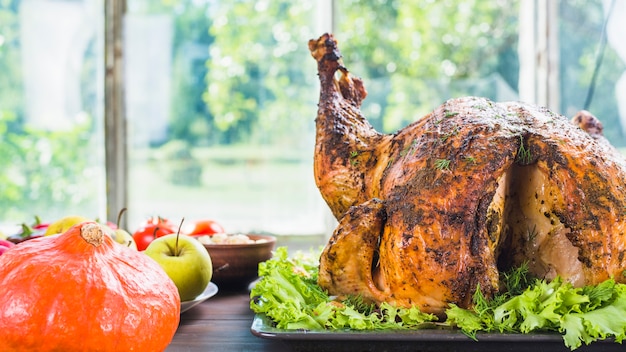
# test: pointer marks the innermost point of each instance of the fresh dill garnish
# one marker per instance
(445, 115)
(353, 160)
(516, 280)
(406, 149)
(470, 159)
(523, 155)
(357, 302)
(442, 164)
(445, 136)
(482, 316)
(531, 234)
(479, 107)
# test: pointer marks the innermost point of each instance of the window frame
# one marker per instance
(115, 126)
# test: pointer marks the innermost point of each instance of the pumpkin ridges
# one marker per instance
(17, 320)
(87, 279)
(135, 292)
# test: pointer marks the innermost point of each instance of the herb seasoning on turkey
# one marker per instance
(436, 210)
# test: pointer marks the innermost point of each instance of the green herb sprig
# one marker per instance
(523, 155)
(442, 164)
(353, 158)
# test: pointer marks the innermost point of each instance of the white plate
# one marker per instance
(209, 292)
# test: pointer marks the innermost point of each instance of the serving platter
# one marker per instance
(436, 339)
(210, 291)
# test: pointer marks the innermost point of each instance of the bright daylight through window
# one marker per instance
(221, 96)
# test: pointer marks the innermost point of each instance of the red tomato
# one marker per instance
(152, 228)
(205, 227)
(142, 239)
(162, 222)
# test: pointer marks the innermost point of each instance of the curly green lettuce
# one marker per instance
(288, 294)
(581, 315)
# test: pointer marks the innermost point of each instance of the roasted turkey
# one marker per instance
(441, 207)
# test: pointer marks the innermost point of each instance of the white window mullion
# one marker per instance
(326, 16)
(539, 80)
(116, 153)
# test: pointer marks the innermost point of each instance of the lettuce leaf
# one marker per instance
(581, 315)
(288, 291)
(288, 294)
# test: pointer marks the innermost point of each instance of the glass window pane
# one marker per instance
(413, 56)
(221, 102)
(582, 50)
(51, 110)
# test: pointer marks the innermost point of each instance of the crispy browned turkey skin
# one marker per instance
(428, 213)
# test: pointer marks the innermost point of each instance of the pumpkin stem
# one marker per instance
(92, 233)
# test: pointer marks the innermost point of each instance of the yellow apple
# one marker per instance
(120, 236)
(64, 224)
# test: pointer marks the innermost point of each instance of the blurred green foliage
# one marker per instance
(261, 78)
(243, 75)
(427, 52)
(46, 173)
(412, 55)
(580, 36)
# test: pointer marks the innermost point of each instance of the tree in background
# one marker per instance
(43, 172)
(190, 118)
(261, 78)
(11, 87)
(412, 55)
(416, 55)
(580, 33)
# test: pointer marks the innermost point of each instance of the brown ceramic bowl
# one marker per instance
(237, 265)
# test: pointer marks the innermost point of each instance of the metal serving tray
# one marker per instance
(426, 340)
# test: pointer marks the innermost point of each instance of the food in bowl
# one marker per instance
(224, 238)
(236, 257)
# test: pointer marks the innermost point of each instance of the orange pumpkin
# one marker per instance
(80, 291)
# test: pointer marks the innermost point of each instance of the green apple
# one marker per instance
(122, 236)
(186, 262)
(118, 234)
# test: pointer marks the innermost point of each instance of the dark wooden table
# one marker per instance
(221, 323)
